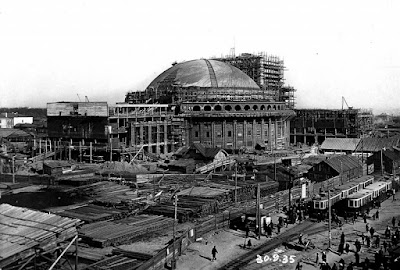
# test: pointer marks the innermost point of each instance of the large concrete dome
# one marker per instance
(204, 74)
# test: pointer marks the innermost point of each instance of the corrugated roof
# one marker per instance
(22, 230)
(12, 132)
(201, 73)
(340, 144)
(376, 144)
(208, 152)
(343, 163)
(392, 155)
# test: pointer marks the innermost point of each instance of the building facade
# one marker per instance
(215, 104)
(311, 126)
(78, 121)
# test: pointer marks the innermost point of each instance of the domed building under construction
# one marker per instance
(202, 101)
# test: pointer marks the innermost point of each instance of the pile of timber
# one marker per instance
(115, 262)
(22, 231)
(93, 213)
(168, 210)
(124, 231)
(109, 194)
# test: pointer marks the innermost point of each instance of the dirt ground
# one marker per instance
(198, 255)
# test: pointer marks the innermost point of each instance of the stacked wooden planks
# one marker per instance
(93, 213)
(115, 262)
(124, 231)
(22, 230)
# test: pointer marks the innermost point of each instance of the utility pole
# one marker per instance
(274, 166)
(258, 215)
(329, 218)
(382, 161)
(236, 171)
(13, 169)
(173, 262)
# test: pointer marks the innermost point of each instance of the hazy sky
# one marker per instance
(53, 50)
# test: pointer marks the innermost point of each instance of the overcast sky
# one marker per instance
(53, 50)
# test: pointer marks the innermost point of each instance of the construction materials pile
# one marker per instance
(124, 231)
(93, 213)
(108, 194)
(121, 168)
(23, 232)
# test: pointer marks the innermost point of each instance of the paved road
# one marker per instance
(307, 227)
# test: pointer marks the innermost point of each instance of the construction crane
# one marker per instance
(344, 101)
(79, 97)
(87, 99)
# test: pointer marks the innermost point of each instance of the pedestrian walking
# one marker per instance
(214, 253)
(365, 218)
(249, 244)
(299, 266)
(377, 241)
(363, 238)
(394, 221)
(323, 256)
(377, 214)
(342, 238)
(394, 193)
(371, 231)
(355, 216)
(347, 248)
(317, 259)
(368, 240)
(367, 227)
(357, 257)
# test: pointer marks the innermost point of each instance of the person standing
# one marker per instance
(214, 253)
(393, 222)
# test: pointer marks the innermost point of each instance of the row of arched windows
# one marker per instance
(237, 107)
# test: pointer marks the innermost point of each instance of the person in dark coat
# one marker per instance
(357, 257)
(371, 231)
(365, 218)
(394, 221)
(342, 238)
(377, 214)
(214, 253)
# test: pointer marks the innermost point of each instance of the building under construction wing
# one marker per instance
(267, 71)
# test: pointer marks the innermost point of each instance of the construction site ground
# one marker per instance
(228, 244)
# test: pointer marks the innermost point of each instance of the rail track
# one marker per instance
(307, 227)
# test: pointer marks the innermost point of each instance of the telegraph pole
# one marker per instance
(329, 218)
(173, 262)
(236, 183)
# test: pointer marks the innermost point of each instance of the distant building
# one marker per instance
(311, 126)
(78, 121)
(347, 166)
(9, 120)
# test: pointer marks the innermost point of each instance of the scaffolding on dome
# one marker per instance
(267, 71)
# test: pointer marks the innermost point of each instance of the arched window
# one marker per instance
(269, 107)
(207, 108)
(228, 108)
(262, 108)
(196, 108)
(238, 108)
(217, 108)
(247, 107)
(255, 107)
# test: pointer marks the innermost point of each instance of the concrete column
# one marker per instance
(166, 138)
(294, 136)
(213, 134)
(158, 139)
(245, 133)
(235, 132)
(224, 134)
(133, 135)
(141, 133)
(305, 136)
(288, 132)
(149, 137)
(254, 133)
(269, 134)
(275, 132)
(262, 130)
